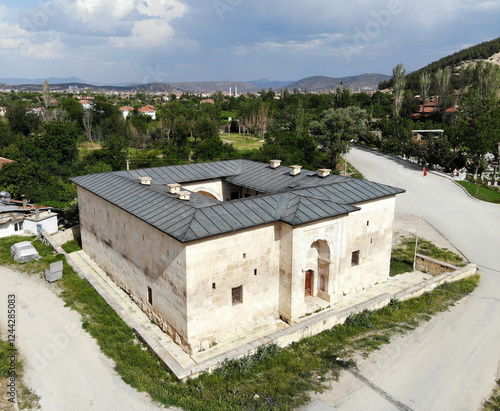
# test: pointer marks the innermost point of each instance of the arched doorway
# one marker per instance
(317, 277)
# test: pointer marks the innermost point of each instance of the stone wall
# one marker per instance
(140, 259)
(68, 234)
(248, 258)
(432, 266)
(369, 231)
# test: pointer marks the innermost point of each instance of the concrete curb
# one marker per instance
(472, 197)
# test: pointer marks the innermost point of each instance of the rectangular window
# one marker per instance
(235, 195)
(237, 295)
(214, 286)
(255, 271)
(150, 296)
(355, 258)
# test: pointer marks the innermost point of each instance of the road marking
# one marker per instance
(399, 405)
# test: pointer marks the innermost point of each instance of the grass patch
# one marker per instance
(242, 143)
(72, 246)
(46, 252)
(493, 403)
(272, 379)
(25, 397)
(480, 192)
(403, 254)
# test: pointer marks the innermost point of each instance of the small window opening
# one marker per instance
(214, 286)
(371, 240)
(355, 258)
(255, 272)
(244, 255)
(150, 296)
(237, 295)
(368, 223)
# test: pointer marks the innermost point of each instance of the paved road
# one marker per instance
(63, 364)
(451, 362)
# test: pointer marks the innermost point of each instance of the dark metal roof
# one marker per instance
(294, 200)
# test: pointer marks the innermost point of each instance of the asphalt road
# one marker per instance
(63, 363)
(451, 362)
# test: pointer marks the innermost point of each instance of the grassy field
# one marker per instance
(242, 143)
(272, 379)
(403, 254)
(480, 192)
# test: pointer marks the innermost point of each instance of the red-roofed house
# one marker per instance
(149, 110)
(126, 110)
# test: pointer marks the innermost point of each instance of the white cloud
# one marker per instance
(320, 43)
(146, 34)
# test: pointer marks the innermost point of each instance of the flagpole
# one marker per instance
(418, 221)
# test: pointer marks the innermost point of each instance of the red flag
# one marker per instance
(425, 171)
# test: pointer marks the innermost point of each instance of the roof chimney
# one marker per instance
(174, 188)
(275, 163)
(25, 201)
(183, 195)
(324, 172)
(145, 180)
(294, 170)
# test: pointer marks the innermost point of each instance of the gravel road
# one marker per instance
(63, 364)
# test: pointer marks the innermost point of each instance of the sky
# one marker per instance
(141, 41)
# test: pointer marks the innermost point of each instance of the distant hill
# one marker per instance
(363, 82)
(487, 51)
(51, 80)
(266, 84)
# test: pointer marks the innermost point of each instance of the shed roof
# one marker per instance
(294, 200)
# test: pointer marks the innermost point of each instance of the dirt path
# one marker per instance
(63, 364)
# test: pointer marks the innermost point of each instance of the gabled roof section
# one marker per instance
(295, 200)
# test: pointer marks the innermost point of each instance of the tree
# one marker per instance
(205, 128)
(425, 85)
(46, 93)
(21, 120)
(399, 80)
(54, 149)
(336, 128)
(479, 125)
(73, 109)
(213, 149)
(443, 81)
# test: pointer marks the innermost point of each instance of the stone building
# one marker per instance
(215, 250)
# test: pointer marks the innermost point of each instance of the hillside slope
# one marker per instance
(363, 82)
(487, 51)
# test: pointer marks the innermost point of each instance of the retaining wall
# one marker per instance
(68, 234)
(432, 266)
